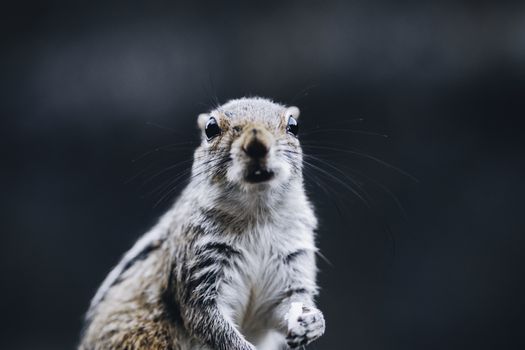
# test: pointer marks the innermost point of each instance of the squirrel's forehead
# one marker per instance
(266, 118)
(239, 118)
(252, 110)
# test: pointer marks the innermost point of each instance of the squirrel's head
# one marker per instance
(250, 143)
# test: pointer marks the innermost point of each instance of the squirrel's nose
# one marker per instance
(256, 147)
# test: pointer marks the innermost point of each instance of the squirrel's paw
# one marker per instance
(304, 326)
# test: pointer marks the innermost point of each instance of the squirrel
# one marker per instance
(231, 266)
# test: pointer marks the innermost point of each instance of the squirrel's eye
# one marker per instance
(292, 127)
(212, 128)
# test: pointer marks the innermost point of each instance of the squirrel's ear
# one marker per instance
(293, 112)
(202, 119)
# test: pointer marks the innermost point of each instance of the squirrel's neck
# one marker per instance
(258, 203)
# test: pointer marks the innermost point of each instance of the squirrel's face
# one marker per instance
(249, 142)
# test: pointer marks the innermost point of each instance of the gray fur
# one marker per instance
(222, 267)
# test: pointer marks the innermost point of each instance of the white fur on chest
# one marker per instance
(255, 284)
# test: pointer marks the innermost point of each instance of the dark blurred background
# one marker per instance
(90, 90)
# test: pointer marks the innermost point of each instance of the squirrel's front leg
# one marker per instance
(299, 320)
(296, 315)
(305, 324)
(208, 325)
(199, 276)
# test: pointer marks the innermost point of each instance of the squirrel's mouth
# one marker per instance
(257, 174)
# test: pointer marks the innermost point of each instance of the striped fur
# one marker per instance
(221, 268)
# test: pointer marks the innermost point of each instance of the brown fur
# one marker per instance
(130, 318)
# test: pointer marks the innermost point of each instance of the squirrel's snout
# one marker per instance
(256, 150)
(257, 143)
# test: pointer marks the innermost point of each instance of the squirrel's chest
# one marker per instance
(252, 285)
